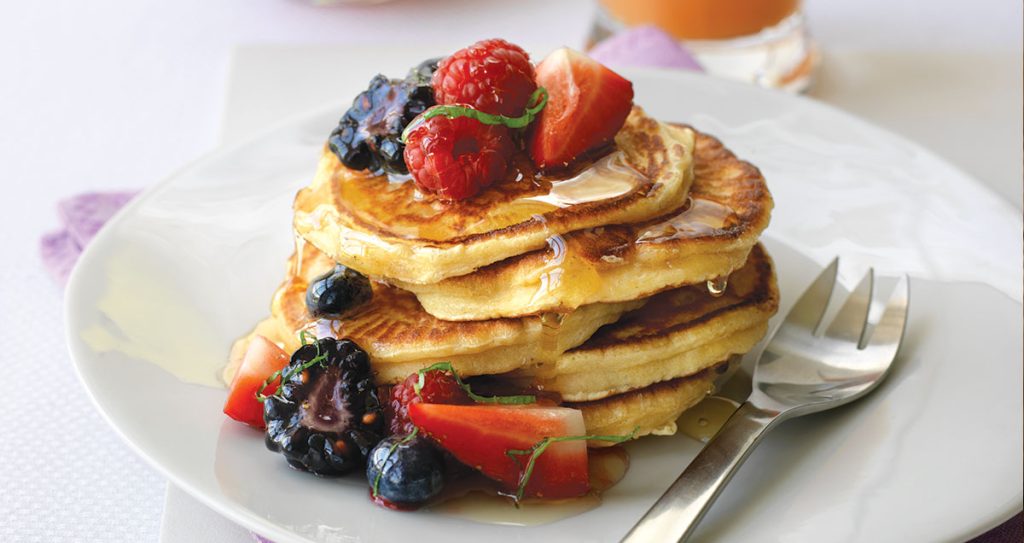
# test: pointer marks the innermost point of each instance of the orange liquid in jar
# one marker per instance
(703, 19)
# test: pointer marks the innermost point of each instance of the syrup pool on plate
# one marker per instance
(482, 503)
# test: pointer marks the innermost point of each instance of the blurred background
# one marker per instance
(152, 76)
(115, 95)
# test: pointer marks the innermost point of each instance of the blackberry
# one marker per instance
(327, 418)
(368, 136)
(335, 292)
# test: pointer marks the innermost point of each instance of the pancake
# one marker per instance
(677, 333)
(707, 238)
(387, 229)
(651, 410)
(401, 338)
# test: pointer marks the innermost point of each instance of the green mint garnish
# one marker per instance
(542, 445)
(285, 376)
(539, 99)
(391, 451)
(447, 366)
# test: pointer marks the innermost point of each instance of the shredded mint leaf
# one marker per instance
(539, 99)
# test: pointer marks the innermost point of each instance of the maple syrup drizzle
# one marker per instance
(717, 286)
(395, 204)
(551, 277)
(300, 246)
(607, 178)
(702, 421)
(550, 330)
(699, 218)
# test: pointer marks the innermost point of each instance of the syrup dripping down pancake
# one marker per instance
(388, 229)
(707, 238)
(677, 333)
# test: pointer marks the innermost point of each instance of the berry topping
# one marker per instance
(499, 441)
(262, 360)
(457, 157)
(405, 470)
(368, 136)
(336, 292)
(325, 418)
(587, 105)
(493, 76)
(429, 386)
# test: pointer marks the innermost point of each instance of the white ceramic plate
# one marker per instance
(934, 454)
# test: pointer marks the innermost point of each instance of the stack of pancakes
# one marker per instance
(622, 287)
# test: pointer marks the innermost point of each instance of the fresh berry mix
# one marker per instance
(439, 386)
(492, 76)
(336, 292)
(368, 136)
(326, 417)
(405, 471)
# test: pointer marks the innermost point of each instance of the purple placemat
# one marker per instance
(81, 216)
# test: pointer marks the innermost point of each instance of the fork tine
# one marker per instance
(888, 332)
(810, 308)
(851, 321)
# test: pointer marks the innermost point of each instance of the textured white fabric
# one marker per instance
(64, 474)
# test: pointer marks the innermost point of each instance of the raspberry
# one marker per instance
(457, 158)
(438, 387)
(493, 76)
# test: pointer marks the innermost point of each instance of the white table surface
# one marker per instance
(113, 95)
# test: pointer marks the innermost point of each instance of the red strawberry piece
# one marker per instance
(493, 76)
(587, 105)
(262, 359)
(457, 158)
(480, 436)
(438, 387)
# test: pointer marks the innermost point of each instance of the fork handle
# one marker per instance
(675, 515)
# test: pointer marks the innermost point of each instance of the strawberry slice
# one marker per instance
(262, 359)
(481, 436)
(587, 105)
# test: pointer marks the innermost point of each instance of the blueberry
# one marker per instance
(337, 291)
(411, 471)
(423, 74)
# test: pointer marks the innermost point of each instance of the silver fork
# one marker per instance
(802, 370)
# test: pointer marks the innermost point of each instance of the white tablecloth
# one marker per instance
(104, 95)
